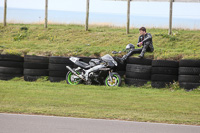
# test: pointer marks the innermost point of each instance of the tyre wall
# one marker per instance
(135, 70)
(11, 66)
(138, 71)
(35, 67)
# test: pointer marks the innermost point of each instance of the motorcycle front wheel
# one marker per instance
(72, 79)
(116, 80)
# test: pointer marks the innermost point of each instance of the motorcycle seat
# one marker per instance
(83, 64)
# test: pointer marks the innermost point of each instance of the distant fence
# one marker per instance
(128, 11)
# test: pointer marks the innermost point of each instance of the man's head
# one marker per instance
(142, 31)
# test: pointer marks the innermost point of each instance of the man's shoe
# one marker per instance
(141, 56)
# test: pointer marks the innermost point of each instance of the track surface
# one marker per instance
(18, 123)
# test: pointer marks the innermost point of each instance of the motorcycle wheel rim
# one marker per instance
(114, 83)
(70, 81)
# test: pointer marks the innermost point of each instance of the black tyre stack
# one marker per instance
(35, 67)
(164, 72)
(138, 71)
(57, 68)
(121, 67)
(11, 66)
(189, 74)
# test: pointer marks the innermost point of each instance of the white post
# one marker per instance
(87, 14)
(128, 16)
(46, 14)
(170, 17)
(5, 12)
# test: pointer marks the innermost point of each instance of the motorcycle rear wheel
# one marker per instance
(70, 80)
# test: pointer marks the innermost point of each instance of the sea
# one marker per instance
(18, 15)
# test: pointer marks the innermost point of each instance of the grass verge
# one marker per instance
(68, 40)
(122, 103)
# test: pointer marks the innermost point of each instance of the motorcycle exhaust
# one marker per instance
(69, 68)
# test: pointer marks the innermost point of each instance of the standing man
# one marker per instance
(144, 40)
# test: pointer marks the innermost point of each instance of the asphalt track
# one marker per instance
(18, 123)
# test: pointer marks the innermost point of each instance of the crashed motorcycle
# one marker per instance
(102, 70)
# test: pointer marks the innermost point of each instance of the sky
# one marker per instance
(182, 10)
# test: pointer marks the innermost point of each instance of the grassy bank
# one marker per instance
(124, 103)
(67, 40)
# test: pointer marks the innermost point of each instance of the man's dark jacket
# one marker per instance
(146, 42)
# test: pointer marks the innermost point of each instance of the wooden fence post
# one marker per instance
(128, 16)
(87, 14)
(46, 14)
(5, 12)
(170, 16)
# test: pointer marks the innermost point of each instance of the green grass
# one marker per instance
(122, 103)
(67, 40)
